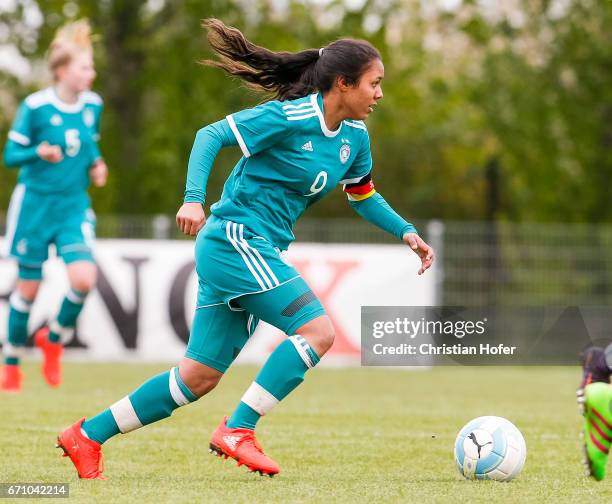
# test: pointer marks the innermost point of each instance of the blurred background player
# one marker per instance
(595, 402)
(296, 148)
(53, 140)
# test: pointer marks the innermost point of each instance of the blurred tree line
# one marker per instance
(492, 110)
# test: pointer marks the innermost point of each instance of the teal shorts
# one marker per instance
(242, 279)
(37, 220)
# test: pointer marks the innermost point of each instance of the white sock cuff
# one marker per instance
(12, 351)
(76, 297)
(19, 303)
(65, 333)
(125, 416)
(259, 399)
(301, 346)
(175, 390)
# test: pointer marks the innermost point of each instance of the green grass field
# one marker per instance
(346, 435)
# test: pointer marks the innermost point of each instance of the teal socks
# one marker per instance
(154, 400)
(282, 373)
(62, 328)
(19, 314)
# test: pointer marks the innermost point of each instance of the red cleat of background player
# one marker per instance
(52, 355)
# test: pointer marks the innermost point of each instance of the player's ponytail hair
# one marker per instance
(284, 74)
(68, 40)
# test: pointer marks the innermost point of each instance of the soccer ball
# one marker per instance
(490, 447)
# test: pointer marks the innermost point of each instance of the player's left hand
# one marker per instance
(420, 248)
(99, 173)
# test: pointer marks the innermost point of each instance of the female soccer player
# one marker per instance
(295, 148)
(54, 141)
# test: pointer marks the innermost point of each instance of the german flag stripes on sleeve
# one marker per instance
(361, 189)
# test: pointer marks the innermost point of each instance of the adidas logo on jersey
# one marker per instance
(231, 441)
(307, 146)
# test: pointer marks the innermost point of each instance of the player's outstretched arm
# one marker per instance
(376, 210)
(424, 251)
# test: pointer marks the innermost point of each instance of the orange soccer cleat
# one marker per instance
(52, 354)
(241, 445)
(85, 454)
(11, 379)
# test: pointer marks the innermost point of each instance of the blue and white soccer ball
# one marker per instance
(490, 447)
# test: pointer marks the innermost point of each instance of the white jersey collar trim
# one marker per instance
(314, 98)
(63, 106)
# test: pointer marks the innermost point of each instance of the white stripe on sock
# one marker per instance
(301, 350)
(65, 333)
(125, 416)
(18, 303)
(75, 298)
(175, 391)
(259, 399)
(12, 351)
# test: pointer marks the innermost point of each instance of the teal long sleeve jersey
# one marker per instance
(75, 127)
(290, 161)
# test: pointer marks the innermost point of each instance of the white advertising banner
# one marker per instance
(144, 302)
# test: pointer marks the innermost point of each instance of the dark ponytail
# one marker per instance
(284, 74)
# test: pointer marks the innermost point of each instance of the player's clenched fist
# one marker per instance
(99, 173)
(50, 153)
(190, 218)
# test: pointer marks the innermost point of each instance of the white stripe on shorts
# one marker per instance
(248, 251)
(256, 252)
(125, 416)
(244, 257)
(12, 218)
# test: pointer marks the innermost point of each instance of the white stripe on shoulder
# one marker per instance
(38, 99)
(91, 97)
(351, 180)
(304, 110)
(289, 106)
(234, 128)
(19, 138)
(300, 117)
(358, 125)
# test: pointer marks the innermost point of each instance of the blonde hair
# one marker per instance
(69, 39)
